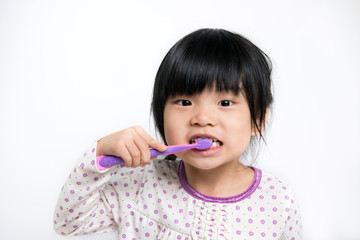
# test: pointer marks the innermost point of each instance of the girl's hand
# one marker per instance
(131, 144)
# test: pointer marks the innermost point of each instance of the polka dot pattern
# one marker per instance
(151, 203)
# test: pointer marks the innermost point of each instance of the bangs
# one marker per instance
(204, 62)
(198, 72)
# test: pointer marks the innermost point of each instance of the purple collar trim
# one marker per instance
(233, 199)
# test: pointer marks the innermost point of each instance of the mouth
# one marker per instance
(215, 142)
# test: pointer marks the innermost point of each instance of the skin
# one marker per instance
(223, 116)
(214, 172)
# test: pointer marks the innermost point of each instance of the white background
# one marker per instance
(72, 71)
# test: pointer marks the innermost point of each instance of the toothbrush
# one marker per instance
(107, 161)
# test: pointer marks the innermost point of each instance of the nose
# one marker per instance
(203, 117)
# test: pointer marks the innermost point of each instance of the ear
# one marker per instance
(254, 130)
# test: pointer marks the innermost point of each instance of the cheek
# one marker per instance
(171, 125)
(240, 127)
(240, 122)
(239, 139)
(169, 133)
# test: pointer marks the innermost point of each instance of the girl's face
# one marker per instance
(223, 117)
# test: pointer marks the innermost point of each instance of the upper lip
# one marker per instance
(208, 136)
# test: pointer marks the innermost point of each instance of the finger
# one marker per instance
(157, 145)
(135, 154)
(125, 155)
(151, 141)
(144, 150)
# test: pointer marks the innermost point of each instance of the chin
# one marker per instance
(203, 164)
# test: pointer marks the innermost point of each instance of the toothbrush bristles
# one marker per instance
(204, 143)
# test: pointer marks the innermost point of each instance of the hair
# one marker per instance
(209, 58)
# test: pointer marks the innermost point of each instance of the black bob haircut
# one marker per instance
(217, 58)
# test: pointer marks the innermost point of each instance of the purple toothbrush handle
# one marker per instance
(104, 162)
(108, 160)
(171, 150)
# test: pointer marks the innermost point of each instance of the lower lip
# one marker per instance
(208, 152)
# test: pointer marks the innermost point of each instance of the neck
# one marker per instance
(225, 181)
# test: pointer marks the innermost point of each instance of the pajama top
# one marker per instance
(156, 202)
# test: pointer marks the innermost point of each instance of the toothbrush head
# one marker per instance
(203, 144)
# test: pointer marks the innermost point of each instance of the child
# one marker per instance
(211, 84)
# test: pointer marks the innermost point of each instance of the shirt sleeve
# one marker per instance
(87, 201)
(293, 226)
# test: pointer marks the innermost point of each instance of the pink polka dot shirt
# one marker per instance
(156, 202)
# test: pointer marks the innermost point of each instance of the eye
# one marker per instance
(183, 102)
(225, 103)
